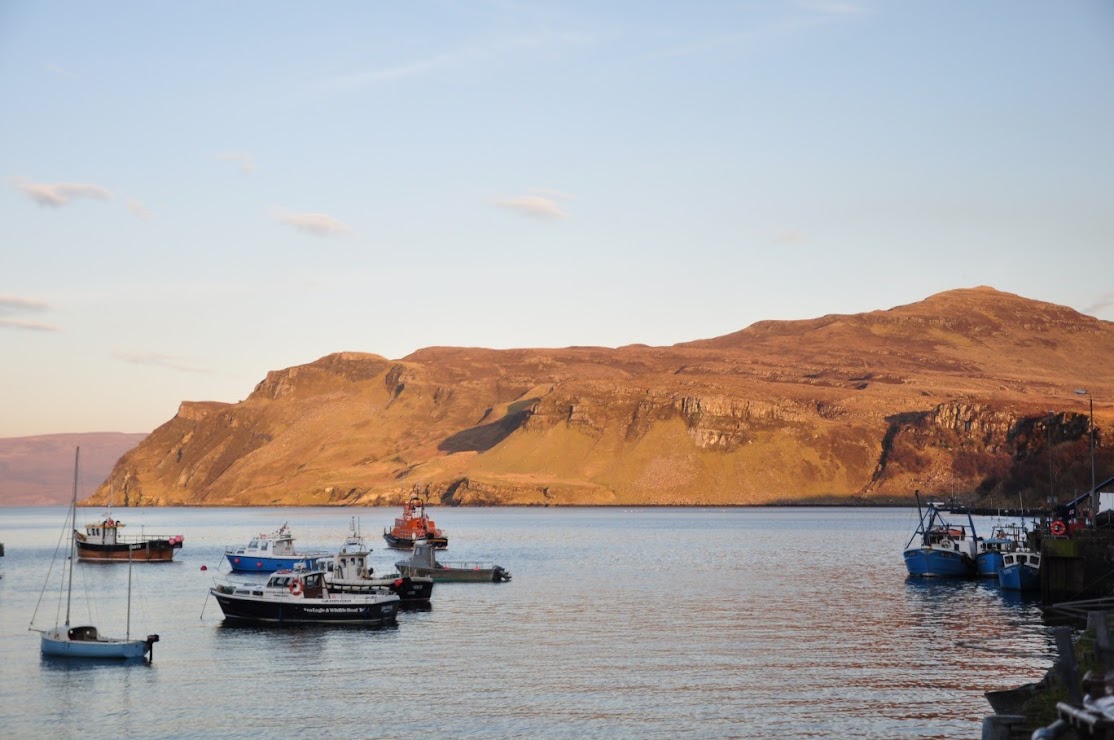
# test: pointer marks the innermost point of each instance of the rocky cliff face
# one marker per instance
(939, 395)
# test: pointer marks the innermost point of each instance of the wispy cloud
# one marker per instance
(153, 359)
(59, 194)
(458, 57)
(1104, 302)
(539, 203)
(138, 209)
(318, 224)
(790, 236)
(59, 70)
(15, 305)
(806, 14)
(27, 325)
(834, 7)
(244, 161)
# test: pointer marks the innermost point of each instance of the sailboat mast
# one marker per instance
(73, 527)
(128, 635)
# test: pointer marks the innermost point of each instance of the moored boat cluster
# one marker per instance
(312, 587)
(326, 588)
(939, 548)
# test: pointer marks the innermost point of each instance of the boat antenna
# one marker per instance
(73, 528)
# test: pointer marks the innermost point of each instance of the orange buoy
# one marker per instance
(204, 567)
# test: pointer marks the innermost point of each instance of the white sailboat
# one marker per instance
(83, 640)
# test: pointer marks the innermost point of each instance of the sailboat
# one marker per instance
(83, 640)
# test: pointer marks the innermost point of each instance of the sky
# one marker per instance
(195, 193)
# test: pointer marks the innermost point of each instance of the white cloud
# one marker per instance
(536, 206)
(1104, 302)
(551, 193)
(138, 209)
(318, 224)
(27, 325)
(172, 362)
(790, 236)
(14, 305)
(59, 194)
(242, 160)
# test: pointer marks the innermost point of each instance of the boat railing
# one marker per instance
(138, 539)
(466, 564)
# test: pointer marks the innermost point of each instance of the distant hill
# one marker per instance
(38, 471)
(949, 394)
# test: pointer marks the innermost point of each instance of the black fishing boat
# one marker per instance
(300, 597)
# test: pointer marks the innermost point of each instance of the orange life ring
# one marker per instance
(296, 587)
(1058, 528)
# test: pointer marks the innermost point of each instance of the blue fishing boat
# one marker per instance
(267, 553)
(1021, 571)
(989, 551)
(938, 548)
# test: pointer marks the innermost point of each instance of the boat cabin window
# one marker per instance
(253, 543)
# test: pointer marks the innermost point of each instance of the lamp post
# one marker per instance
(1091, 434)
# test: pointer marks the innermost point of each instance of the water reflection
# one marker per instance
(62, 664)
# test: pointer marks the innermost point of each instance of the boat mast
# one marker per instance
(128, 634)
(73, 526)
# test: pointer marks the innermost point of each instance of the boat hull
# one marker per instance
(988, 564)
(398, 542)
(242, 563)
(58, 643)
(410, 591)
(924, 562)
(370, 613)
(1019, 577)
(455, 575)
(151, 551)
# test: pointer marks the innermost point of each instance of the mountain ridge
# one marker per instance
(864, 406)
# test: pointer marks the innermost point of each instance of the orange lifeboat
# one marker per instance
(413, 525)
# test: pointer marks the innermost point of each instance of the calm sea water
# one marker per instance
(641, 622)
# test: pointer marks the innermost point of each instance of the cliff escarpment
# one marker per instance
(956, 393)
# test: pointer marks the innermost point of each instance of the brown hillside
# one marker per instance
(946, 394)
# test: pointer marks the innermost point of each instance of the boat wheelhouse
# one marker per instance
(990, 551)
(1021, 571)
(414, 525)
(348, 572)
(423, 563)
(267, 553)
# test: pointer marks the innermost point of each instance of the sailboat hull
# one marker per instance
(58, 643)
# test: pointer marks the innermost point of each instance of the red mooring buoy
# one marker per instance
(204, 567)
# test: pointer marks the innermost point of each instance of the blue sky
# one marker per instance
(196, 193)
